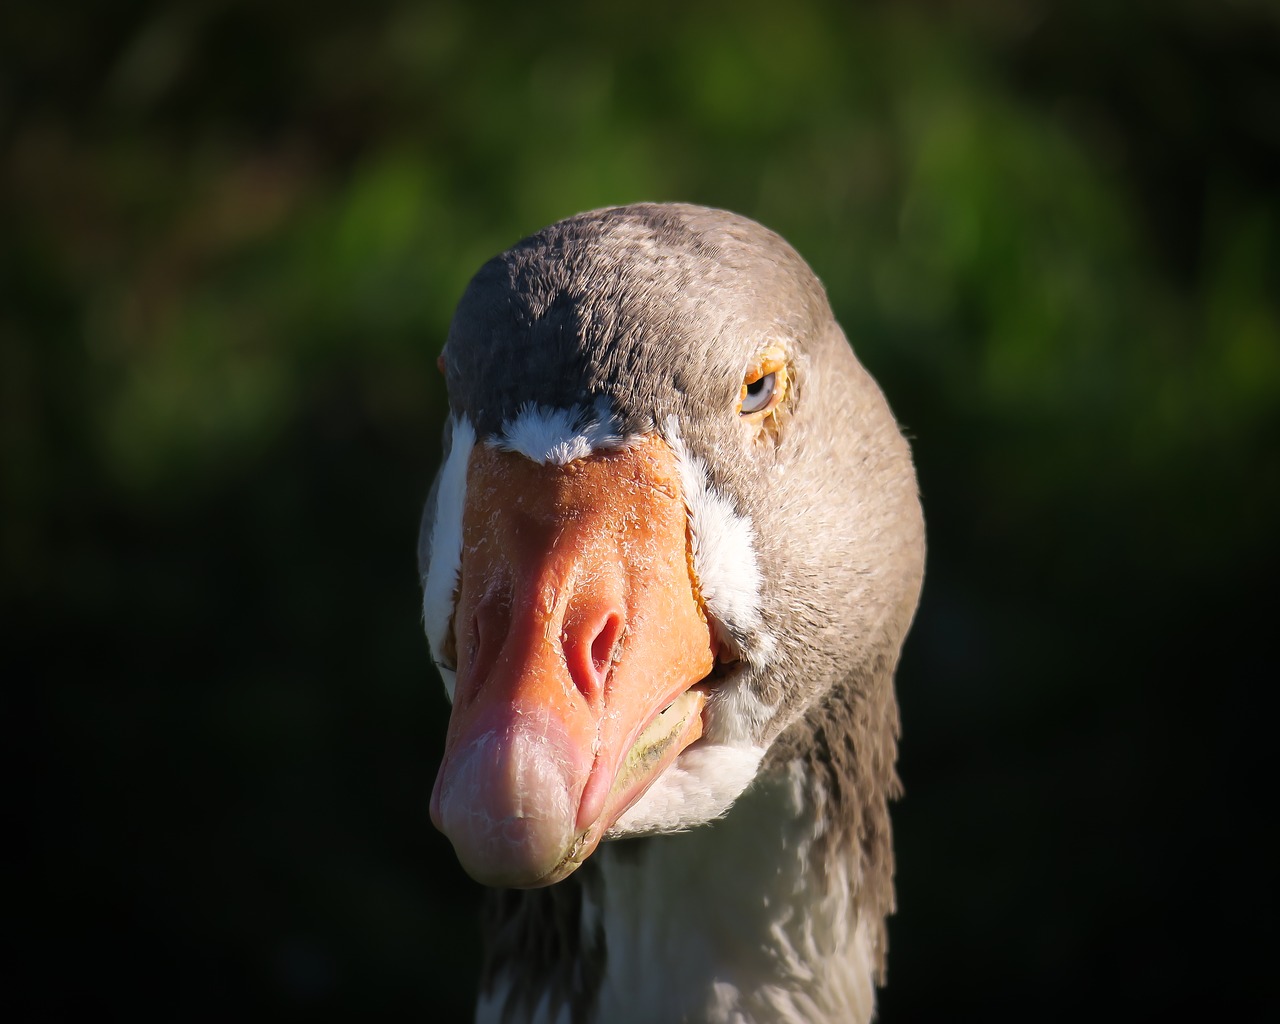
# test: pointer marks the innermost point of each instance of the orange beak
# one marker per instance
(580, 641)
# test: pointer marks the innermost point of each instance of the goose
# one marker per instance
(668, 564)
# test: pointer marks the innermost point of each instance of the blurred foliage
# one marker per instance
(232, 237)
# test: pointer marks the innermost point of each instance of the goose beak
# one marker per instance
(580, 644)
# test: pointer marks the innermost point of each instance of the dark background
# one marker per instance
(231, 237)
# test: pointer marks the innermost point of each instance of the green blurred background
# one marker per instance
(231, 238)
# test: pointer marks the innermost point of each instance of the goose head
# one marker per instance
(675, 522)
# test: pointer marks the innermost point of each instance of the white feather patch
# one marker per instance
(724, 555)
(701, 785)
(559, 436)
(439, 591)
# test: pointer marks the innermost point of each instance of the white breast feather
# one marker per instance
(732, 925)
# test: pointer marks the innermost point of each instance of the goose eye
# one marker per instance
(764, 387)
(759, 393)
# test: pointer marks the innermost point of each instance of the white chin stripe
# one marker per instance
(559, 436)
(724, 557)
(700, 787)
(441, 586)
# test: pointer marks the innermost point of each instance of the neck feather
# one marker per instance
(773, 914)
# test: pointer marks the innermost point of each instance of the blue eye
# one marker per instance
(759, 393)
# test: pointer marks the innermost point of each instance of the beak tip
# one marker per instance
(507, 803)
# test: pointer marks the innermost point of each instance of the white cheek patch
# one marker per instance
(557, 437)
(724, 557)
(439, 591)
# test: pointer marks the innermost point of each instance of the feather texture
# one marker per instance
(756, 874)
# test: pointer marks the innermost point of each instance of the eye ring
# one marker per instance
(764, 385)
(758, 394)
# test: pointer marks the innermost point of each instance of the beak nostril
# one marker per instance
(481, 635)
(591, 650)
(604, 648)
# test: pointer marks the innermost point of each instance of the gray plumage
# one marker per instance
(656, 309)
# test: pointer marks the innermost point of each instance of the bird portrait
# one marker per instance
(668, 564)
